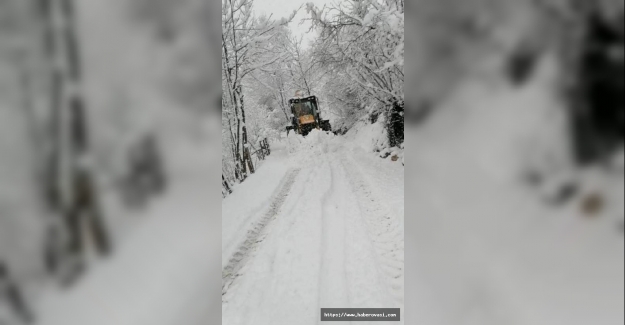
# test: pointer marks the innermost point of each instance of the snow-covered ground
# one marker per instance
(326, 221)
(486, 247)
(163, 270)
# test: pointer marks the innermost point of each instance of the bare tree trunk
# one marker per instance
(72, 192)
(239, 166)
(34, 131)
(233, 146)
(247, 158)
(282, 100)
(52, 168)
(225, 184)
(86, 198)
(52, 153)
(240, 161)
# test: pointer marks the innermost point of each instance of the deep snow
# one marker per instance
(335, 241)
(162, 272)
(488, 248)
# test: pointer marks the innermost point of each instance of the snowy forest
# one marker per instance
(312, 158)
(354, 65)
(498, 201)
(515, 130)
(106, 112)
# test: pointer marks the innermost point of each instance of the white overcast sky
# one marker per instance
(283, 8)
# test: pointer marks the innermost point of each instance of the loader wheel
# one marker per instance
(325, 125)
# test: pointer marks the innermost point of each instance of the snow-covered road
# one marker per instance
(320, 224)
(325, 231)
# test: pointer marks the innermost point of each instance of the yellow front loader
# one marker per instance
(305, 116)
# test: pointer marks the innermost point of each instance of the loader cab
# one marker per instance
(301, 107)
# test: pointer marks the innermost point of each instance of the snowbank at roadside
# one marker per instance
(373, 137)
(247, 203)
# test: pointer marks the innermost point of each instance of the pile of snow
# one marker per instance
(371, 137)
(317, 142)
(508, 131)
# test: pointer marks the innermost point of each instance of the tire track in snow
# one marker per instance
(333, 291)
(383, 228)
(313, 173)
(350, 274)
(237, 261)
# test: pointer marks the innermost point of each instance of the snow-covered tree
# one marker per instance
(245, 49)
(363, 42)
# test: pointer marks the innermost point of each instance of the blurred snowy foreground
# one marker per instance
(161, 271)
(319, 225)
(490, 246)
